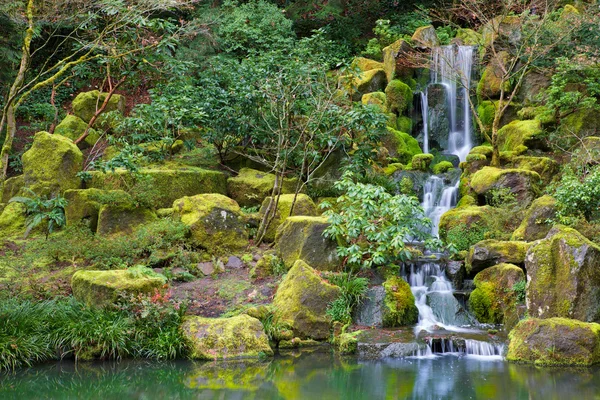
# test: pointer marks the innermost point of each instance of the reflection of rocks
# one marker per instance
(247, 376)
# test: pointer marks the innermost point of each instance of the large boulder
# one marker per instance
(237, 337)
(250, 187)
(86, 104)
(535, 224)
(492, 80)
(366, 64)
(102, 288)
(554, 341)
(301, 301)
(490, 252)
(216, 222)
(517, 136)
(466, 226)
(399, 97)
(376, 99)
(83, 205)
(51, 165)
(401, 145)
(392, 54)
(303, 205)
(12, 187)
(13, 220)
(468, 37)
(366, 82)
(524, 184)
(563, 276)
(301, 238)
(546, 167)
(73, 127)
(533, 85)
(493, 301)
(399, 307)
(580, 124)
(120, 219)
(425, 37)
(158, 187)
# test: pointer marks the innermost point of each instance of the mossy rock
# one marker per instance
(302, 299)
(303, 206)
(468, 225)
(159, 188)
(366, 82)
(493, 301)
(393, 167)
(83, 205)
(404, 124)
(102, 288)
(483, 150)
(376, 98)
(466, 201)
(581, 124)
(425, 37)
(490, 252)
(528, 133)
(401, 145)
(225, 338)
(301, 238)
(564, 280)
(535, 224)
(468, 37)
(121, 219)
(73, 127)
(86, 104)
(366, 64)
(399, 307)
(547, 168)
(391, 54)
(442, 167)
(12, 187)
(524, 184)
(51, 165)
(250, 187)
(421, 162)
(13, 220)
(554, 342)
(264, 266)
(216, 222)
(399, 97)
(491, 82)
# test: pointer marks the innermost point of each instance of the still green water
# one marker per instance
(313, 376)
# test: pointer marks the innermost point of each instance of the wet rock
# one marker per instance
(447, 309)
(455, 271)
(369, 311)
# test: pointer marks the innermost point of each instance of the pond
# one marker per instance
(312, 376)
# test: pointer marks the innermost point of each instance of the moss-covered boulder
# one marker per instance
(376, 98)
(554, 341)
(216, 222)
(492, 82)
(468, 37)
(524, 184)
(467, 225)
(519, 134)
(86, 104)
(563, 276)
(365, 82)
(400, 145)
(546, 167)
(493, 301)
(535, 224)
(301, 238)
(391, 55)
(366, 64)
(250, 187)
(399, 307)
(225, 338)
(484, 150)
(425, 37)
(301, 301)
(421, 162)
(264, 267)
(399, 97)
(490, 252)
(160, 187)
(83, 205)
(13, 220)
(303, 205)
(51, 165)
(124, 218)
(102, 288)
(582, 123)
(533, 85)
(11, 188)
(442, 167)
(73, 127)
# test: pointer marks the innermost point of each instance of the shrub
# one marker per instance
(353, 291)
(47, 212)
(577, 195)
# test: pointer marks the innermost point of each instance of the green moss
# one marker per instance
(442, 167)
(365, 64)
(301, 301)
(486, 111)
(425, 36)
(399, 97)
(121, 219)
(393, 167)
(250, 187)
(158, 188)
(519, 133)
(475, 157)
(73, 127)
(526, 185)
(225, 338)
(303, 206)
(390, 53)
(469, 37)
(490, 85)
(546, 167)
(12, 187)
(420, 162)
(488, 252)
(466, 226)
(401, 145)
(366, 82)
(264, 266)
(86, 104)
(51, 164)
(347, 343)
(83, 205)
(404, 124)
(375, 98)
(301, 238)
(102, 288)
(12, 220)
(399, 303)
(466, 201)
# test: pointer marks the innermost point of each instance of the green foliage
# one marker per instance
(353, 291)
(373, 226)
(385, 34)
(47, 212)
(463, 237)
(501, 197)
(519, 289)
(445, 34)
(577, 195)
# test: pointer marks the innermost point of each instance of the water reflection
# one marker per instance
(307, 376)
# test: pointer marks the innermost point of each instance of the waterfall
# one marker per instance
(425, 117)
(461, 347)
(437, 199)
